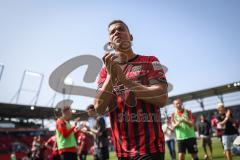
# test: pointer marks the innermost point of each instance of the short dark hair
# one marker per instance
(118, 21)
(90, 107)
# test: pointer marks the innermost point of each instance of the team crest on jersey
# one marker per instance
(136, 69)
(156, 65)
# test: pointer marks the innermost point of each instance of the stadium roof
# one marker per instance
(26, 112)
(216, 91)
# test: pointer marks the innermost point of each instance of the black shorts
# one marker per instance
(68, 155)
(187, 144)
(101, 153)
(150, 156)
(56, 157)
(206, 141)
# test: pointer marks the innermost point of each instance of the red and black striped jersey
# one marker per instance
(136, 124)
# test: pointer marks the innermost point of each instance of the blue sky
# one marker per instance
(198, 40)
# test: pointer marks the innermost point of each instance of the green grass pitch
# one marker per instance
(217, 152)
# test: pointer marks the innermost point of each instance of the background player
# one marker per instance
(184, 124)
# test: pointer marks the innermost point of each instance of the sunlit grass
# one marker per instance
(217, 152)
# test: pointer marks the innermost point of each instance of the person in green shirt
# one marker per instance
(66, 134)
(184, 126)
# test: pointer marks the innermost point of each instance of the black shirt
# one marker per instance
(101, 140)
(204, 128)
(229, 129)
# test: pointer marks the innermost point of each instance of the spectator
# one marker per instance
(218, 131)
(236, 146)
(169, 137)
(83, 143)
(37, 149)
(100, 134)
(226, 123)
(204, 131)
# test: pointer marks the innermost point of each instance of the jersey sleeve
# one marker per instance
(155, 71)
(102, 77)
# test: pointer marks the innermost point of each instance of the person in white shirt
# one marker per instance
(236, 146)
(169, 137)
